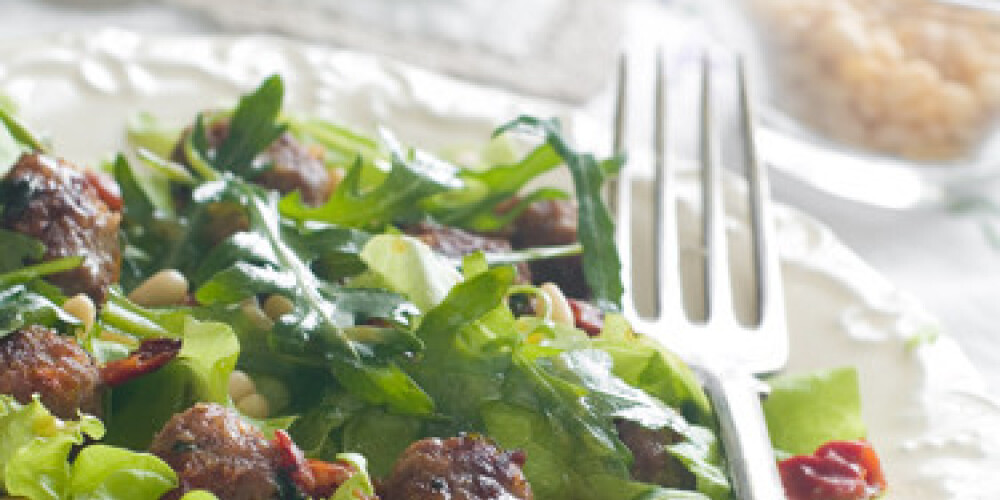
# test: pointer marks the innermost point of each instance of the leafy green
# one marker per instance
(36, 459)
(556, 399)
(18, 249)
(408, 266)
(647, 365)
(806, 411)
(199, 373)
(476, 208)
(23, 305)
(153, 235)
(269, 260)
(413, 177)
(103, 472)
(601, 264)
(147, 133)
(343, 147)
(253, 127)
(10, 151)
(20, 132)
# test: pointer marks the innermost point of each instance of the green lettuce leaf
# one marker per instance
(806, 411)
(36, 459)
(200, 373)
(406, 265)
(103, 472)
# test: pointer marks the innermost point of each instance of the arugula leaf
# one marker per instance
(265, 260)
(154, 236)
(601, 264)
(412, 178)
(343, 147)
(21, 306)
(252, 129)
(496, 185)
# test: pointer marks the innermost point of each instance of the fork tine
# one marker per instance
(770, 289)
(718, 292)
(668, 282)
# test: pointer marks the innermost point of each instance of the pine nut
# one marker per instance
(561, 312)
(240, 385)
(165, 288)
(82, 308)
(277, 306)
(274, 391)
(254, 406)
(251, 309)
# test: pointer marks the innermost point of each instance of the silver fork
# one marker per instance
(723, 352)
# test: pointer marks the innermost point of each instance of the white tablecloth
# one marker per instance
(943, 259)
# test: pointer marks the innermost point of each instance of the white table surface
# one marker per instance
(941, 258)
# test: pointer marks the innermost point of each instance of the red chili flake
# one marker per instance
(151, 355)
(106, 188)
(838, 470)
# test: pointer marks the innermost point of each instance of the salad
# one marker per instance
(261, 305)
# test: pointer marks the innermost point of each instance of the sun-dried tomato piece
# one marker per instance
(151, 355)
(107, 188)
(838, 470)
(587, 316)
(315, 478)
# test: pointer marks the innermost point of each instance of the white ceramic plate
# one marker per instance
(929, 416)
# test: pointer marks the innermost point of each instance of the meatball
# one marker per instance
(296, 167)
(548, 223)
(653, 463)
(212, 448)
(461, 468)
(455, 242)
(291, 165)
(36, 360)
(54, 202)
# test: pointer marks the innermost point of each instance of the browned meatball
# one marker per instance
(293, 166)
(296, 167)
(455, 242)
(57, 205)
(547, 223)
(653, 463)
(212, 448)
(35, 360)
(461, 468)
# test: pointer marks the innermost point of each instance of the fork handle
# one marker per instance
(752, 465)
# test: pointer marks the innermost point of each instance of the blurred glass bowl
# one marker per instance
(889, 102)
